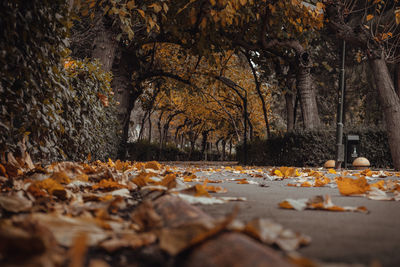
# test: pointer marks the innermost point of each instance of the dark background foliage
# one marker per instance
(313, 148)
(58, 111)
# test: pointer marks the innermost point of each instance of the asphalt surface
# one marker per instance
(371, 239)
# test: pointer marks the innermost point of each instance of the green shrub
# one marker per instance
(313, 148)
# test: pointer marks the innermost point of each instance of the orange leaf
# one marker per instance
(53, 187)
(285, 205)
(3, 171)
(153, 165)
(60, 177)
(103, 99)
(349, 186)
(169, 181)
(108, 185)
(201, 191)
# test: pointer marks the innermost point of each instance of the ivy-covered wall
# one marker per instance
(60, 110)
(313, 148)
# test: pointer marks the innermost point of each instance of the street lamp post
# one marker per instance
(339, 128)
(245, 126)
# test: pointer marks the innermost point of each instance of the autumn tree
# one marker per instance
(373, 27)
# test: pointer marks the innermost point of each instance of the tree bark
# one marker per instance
(104, 46)
(397, 79)
(308, 100)
(150, 126)
(223, 149)
(289, 111)
(126, 94)
(390, 103)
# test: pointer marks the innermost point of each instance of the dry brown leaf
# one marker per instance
(78, 251)
(65, 229)
(129, 240)
(169, 181)
(146, 217)
(52, 187)
(154, 165)
(26, 243)
(175, 240)
(108, 185)
(60, 177)
(317, 203)
(264, 230)
(15, 203)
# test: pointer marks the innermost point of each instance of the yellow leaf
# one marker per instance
(243, 2)
(278, 173)
(349, 186)
(332, 171)
(369, 17)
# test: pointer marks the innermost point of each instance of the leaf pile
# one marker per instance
(66, 211)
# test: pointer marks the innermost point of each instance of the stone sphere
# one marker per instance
(361, 162)
(329, 164)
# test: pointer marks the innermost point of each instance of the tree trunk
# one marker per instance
(142, 126)
(397, 79)
(289, 111)
(223, 149)
(104, 46)
(150, 126)
(260, 95)
(125, 94)
(308, 100)
(390, 103)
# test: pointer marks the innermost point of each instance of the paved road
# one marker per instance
(339, 237)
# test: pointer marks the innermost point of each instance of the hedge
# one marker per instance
(62, 112)
(145, 151)
(313, 148)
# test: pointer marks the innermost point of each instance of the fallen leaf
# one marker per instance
(65, 229)
(108, 185)
(317, 203)
(154, 165)
(128, 240)
(146, 217)
(15, 203)
(349, 186)
(377, 194)
(78, 251)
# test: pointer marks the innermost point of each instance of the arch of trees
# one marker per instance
(195, 64)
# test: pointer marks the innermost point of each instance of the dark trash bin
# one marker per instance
(352, 149)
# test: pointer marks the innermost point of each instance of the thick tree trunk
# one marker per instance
(125, 94)
(390, 103)
(397, 79)
(289, 111)
(104, 47)
(308, 100)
